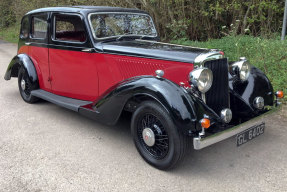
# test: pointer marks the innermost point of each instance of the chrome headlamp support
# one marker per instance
(241, 68)
(201, 78)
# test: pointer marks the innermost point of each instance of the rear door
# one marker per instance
(38, 48)
(73, 69)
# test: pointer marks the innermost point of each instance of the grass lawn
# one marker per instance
(10, 34)
(269, 55)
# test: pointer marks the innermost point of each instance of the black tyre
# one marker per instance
(156, 137)
(25, 86)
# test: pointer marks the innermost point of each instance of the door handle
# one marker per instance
(88, 50)
(27, 43)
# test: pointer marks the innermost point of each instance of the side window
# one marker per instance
(39, 26)
(24, 28)
(69, 28)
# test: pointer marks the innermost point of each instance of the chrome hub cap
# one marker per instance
(23, 84)
(148, 137)
(153, 136)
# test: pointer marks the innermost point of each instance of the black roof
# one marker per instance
(86, 9)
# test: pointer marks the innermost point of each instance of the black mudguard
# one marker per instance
(182, 106)
(242, 94)
(21, 60)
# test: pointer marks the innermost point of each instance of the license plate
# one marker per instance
(250, 134)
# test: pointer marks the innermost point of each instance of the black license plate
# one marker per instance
(250, 134)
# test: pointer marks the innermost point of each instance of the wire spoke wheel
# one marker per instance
(26, 86)
(156, 137)
(160, 145)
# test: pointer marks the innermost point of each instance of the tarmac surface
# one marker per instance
(44, 147)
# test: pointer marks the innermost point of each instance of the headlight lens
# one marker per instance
(202, 78)
(242, 68)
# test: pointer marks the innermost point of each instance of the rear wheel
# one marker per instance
(156, 137)
(26, 86)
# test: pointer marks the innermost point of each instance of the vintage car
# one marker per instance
(103, 61)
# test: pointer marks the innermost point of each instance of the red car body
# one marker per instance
(63, 72)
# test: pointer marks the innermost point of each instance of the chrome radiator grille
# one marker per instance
(217, 98)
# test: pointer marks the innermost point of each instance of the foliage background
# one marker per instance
(191, 19)
(248, 28)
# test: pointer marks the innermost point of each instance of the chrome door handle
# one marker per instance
(88, 50)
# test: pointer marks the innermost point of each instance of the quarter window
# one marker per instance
(25, 28)
(39, 26)
(69, 28)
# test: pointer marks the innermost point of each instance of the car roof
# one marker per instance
(86, 9)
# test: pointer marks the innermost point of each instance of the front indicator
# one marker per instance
(205, 123)
(279, 94)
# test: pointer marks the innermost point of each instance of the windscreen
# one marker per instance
(119, 24)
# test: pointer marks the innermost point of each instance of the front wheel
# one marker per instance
(26, 86)
(156, 137)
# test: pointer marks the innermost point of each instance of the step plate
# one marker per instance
(69, 103)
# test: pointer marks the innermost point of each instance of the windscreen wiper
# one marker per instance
(124, 35)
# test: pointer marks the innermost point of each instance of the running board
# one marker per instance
(69, 103)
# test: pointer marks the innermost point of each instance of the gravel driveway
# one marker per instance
(44, 147)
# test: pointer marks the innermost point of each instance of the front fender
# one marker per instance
(24, 61)
(243, 93)
(175, 99)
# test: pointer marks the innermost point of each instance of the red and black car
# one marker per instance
(102, 61)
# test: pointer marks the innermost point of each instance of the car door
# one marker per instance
(73, 69)
(38, 48)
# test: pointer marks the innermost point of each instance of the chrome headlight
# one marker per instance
(201, 78)
(242, 69)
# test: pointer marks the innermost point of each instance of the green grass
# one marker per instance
(10, 34)
(269, 55)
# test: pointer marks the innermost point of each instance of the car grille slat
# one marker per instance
(217, 97)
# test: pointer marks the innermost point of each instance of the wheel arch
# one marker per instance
(169, 95)
(139, 98)
(21, 60)
(243, 93)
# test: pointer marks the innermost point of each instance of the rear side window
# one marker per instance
(24, 28)
(39, 26)
(69, 28)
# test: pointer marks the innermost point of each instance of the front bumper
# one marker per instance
(199, 143)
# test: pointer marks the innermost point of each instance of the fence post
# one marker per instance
(284, 22)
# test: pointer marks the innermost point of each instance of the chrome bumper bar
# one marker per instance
(200, 143)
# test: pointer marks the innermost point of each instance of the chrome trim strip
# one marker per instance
(200, 143)
(202, 58)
